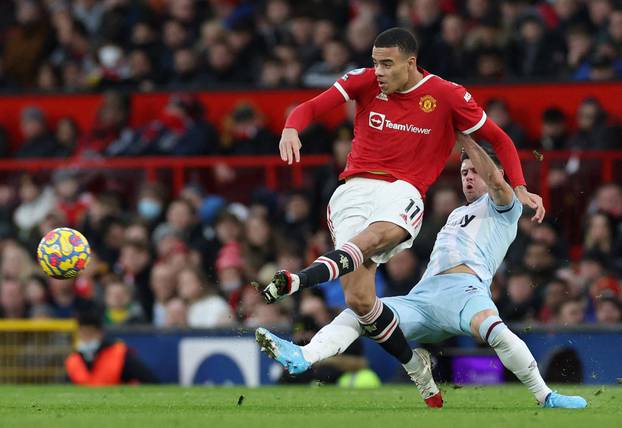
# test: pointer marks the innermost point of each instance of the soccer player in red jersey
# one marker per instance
(403, 135)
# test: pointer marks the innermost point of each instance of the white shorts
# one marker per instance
(360, 202)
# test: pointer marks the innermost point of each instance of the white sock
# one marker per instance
(413, 366)
(515, 355)
(333, 338)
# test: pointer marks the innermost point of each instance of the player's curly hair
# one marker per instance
(400, 37)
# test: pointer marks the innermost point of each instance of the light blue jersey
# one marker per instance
(477, 235)
(440, 306)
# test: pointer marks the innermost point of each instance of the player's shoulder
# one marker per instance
(512, 210)
(449, 89)
(359, 74)
(357, 83)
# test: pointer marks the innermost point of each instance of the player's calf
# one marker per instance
(325, 268)
(382, 326)
(332, 265)
(513, 353)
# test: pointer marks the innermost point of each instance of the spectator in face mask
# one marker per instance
(150, 205)
(98, 361)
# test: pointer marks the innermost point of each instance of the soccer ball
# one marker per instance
(63, 253)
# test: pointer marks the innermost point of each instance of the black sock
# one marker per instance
(332, 265)
(381, 325)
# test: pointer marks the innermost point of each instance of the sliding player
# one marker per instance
(453, 297)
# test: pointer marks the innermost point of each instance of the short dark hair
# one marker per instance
(553, 115)
(398, 37)
(489, 152)
(90, 316)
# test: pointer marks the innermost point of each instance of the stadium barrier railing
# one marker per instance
(177, 166)
(579, 354)
(34, 351)
(540, 163)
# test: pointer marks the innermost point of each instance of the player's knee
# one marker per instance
(478, 318)
(486, 325)
(360, 303)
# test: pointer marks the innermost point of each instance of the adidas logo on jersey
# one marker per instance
(382, 96)
(379, 121)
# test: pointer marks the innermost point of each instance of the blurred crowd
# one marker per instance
(81, 45)
(181, 128)
(189, 260)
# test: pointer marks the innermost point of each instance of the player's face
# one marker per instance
(473, 186)
(392, 68)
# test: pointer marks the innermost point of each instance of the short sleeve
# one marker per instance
(509, 213)
(467, 115)
(352, 84)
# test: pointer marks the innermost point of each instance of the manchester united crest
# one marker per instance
(427, 103)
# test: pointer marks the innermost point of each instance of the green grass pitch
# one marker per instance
(309, 407)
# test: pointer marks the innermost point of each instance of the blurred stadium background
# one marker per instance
(152, 126)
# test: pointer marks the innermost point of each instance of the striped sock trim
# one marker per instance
(386, 333)
(354, 252)
(373, 315)
(331, 265)
(491, 328)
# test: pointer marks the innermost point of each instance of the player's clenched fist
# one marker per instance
(290, 145)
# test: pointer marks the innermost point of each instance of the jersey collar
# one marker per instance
(476, 201)
(426, 76)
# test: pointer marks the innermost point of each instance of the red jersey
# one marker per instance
(407, 135)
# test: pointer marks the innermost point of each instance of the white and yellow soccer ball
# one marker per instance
(63, 253)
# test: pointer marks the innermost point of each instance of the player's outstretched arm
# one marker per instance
(299, 119)
(500, 191)
(506, 151)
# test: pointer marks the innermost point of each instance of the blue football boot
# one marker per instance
(558, 401)
(288, 354)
